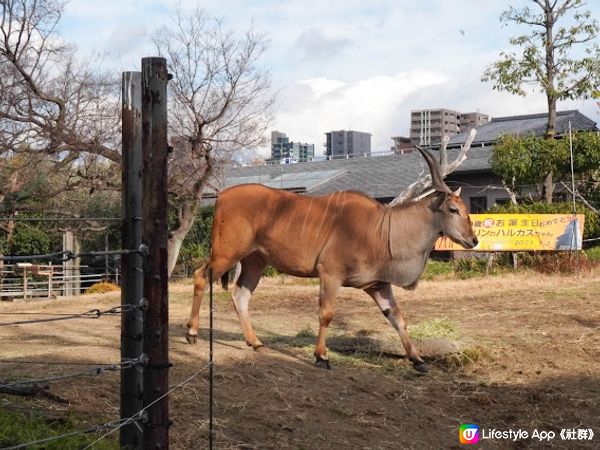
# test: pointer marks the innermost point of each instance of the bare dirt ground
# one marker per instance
(531, 360)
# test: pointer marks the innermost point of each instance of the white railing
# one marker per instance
(27, 281)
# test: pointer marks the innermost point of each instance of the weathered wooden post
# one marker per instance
(154, 235)
(68, 265)
(131, 264)
(50, 277)
(71, 272)
(25, 286)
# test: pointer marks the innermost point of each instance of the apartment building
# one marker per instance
(347, 144)
(284, 151)
(429, 126)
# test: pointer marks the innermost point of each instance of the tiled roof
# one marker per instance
(387, 176)
(378, 177)
(526, 125)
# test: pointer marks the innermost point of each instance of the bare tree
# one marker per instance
(55, 109)
(220, 102)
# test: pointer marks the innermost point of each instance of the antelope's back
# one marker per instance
(289, 229)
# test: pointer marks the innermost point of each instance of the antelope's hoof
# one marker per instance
(191, 338)
(420, 366)
(322, 363)
(259, 348)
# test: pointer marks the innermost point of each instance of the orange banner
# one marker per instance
(523, 232)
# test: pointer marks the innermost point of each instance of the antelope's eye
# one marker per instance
(453, 209)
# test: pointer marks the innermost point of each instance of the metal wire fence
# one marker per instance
(41, 384)
(114, 425)
(22, 278)
(25, 279)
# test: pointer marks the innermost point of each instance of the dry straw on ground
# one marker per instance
(528, 355)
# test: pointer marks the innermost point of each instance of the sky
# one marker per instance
(341, 64)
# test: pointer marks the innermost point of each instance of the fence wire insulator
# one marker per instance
(143, 304)
(140, 362)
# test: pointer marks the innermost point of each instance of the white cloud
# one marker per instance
(342, 63)
(316, 46)
(312, 107)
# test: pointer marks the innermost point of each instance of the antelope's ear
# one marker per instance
(457, 192)
(439, 201)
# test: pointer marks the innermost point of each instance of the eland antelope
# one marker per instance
(344, 239)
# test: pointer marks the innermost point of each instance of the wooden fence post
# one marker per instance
(154, 235)
(131, 264)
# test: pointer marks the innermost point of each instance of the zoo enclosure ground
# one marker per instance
(534, 363)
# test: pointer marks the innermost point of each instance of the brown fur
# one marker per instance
(345, 239)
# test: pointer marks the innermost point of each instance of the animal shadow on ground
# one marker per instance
(293, 405)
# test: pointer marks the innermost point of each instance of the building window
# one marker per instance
(478, 205)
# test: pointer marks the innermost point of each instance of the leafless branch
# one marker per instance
(420, 188)
(581, 197)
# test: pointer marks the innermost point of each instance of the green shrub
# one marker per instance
(438, 269)
(470, 267)
(593, 254)
(101, 288)
(270, 271)
(191, 257)
(28, 240)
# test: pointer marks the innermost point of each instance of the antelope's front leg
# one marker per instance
(385, 300)
(328, 292)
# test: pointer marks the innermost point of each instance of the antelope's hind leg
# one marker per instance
(251, 271)
(385, 300)
(219, 266)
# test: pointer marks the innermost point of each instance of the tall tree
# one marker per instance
(220, 102)
(524, 161)
(56, 110)
(559, 55)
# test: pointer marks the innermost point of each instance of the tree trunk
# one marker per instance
(10, 232)
(551, 125)
(511, 192)
(550, 132)
(548, 188)
(550, 71)
(550, 93)
(186, 218)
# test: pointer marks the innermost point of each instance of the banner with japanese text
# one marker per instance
(523, 232)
